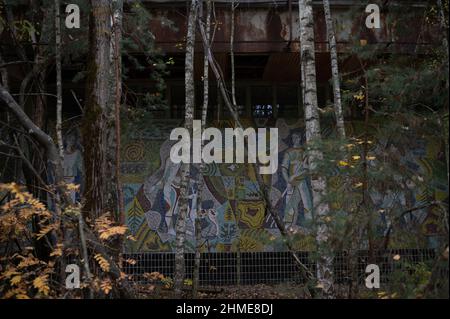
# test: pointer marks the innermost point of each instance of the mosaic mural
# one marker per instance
(233, 213)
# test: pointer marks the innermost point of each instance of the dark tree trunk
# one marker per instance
(95, 128)
(115, 197)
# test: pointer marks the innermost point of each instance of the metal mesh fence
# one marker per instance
(250, 268)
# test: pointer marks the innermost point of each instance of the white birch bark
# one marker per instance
(206, 66)
(313, 135)
(233, 81)
(334, 70)
(200, 181)
(185, 167)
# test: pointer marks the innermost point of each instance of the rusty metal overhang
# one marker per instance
(417, 3)
(267, 29)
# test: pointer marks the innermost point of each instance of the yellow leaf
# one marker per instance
(45, 230)
(131, 261)
(343, 163)
(358, 185)
(72, 187)
(371, 158)
(106, 286)
(27, 262)
(396, 257)
(360, 96)
(153, 276)
(9, 273)
(40, 283)
(16, 292)
(356, 157)
(112, 231)
(15, 280)
(9, 294)
(104, 264)
(56, 252)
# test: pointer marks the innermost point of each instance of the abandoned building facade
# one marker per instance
(268, 93)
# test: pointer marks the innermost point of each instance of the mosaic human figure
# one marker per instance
(72, 164)
(297, 191)
(162, 191)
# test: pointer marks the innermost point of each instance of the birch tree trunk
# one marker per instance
(206, 66)
(234, 5)
(58, 79)
(233, 99)
(233, 81)
(334, 70)
(94, 125)
(200, 181)
(59, 136)
(313, 135)
(185, 167)
(444, 30)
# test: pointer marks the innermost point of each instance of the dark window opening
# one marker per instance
(249, 66)
(288, 101)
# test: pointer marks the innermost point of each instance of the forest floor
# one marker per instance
(281, 291)
(260, 291)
